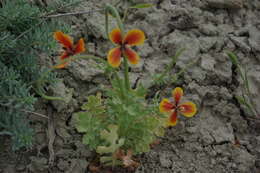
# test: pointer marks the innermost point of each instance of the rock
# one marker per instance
(85, 70)
(63, 133)
(63, 165)
(82, 150)
(213, 130)
(156, 18)
(225, 29)
(60, 90)
(20, 167)
(208, 29)
(254, 84)
(65, 153)
(156, 63)
(77, 166)
(195, 73)
(226, 4)
(175, 41)
(231, 113)
(244, 160)
(223, 68)
(221, 43)
(207, 43)
(223, 134)
(9, 169)
(167, 5)
(145, 50)
(103, 48)
(256, 4)
(94, 22)
(241, 42)
(257, 163)
(165, 160)
(182, 19)
(207, 62)
(41, 138)
(254, 39)
(38, 164)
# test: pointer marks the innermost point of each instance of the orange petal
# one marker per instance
(134, 37)
(63, 39)
(115, 36)
(80, 46)
(177, 93)
(114, 57)
(188, 109)
(172, 121)
(63, 65)
(166, 106)
(131, 55)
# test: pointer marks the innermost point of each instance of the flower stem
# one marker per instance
(121, 87)
(127, 82)
(113, 11)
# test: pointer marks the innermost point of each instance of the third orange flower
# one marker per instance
(188, 109)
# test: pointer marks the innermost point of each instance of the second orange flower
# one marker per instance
(69, 48)
(133, 37)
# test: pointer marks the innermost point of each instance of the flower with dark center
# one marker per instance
(133, 37)
(188, 109)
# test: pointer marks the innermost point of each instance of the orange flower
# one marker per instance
(133, 37)
(188, 109)
(69, 48)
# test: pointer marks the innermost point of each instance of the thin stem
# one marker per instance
(26, 111)
(45, 74)
(127, 82)
(38, 91)
(113, 11)
(35, 113)
(106, 24)
(125, 15)
(243, 73)
(173, 62)
(72, 13)
(76, 58)
(121, 87)
(62, 7)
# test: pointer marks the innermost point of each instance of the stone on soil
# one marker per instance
(226, 4)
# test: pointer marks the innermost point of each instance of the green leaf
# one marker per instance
(94, 104)
(115, 143)
(140, 91)
(246, 83)
(110, 136)
(142, 6)
(241, 100)
(82, 119)
(233, 58)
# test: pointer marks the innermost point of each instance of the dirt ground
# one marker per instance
(222, 137)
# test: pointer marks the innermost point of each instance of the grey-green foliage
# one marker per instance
(24, 34)
(14, 95)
